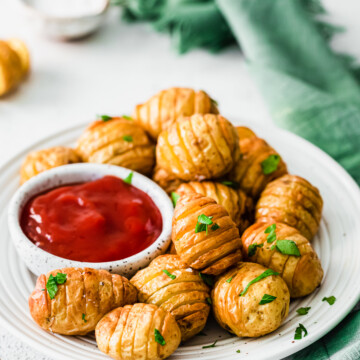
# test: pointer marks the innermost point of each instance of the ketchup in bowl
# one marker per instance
(98, 221)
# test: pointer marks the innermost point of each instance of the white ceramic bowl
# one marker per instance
(61, 25)
(39, 261)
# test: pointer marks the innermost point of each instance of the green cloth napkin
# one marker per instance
(309, 90)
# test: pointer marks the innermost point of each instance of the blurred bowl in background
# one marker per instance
(66, 19)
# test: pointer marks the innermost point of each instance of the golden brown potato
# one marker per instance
(236, 202)
(198, 147)
(209, 248)
(249, 171)
(244, 315)
(166, 180)
(117, 141)
(302, 272)
(41, 160)
(170, 284)
(163, 109)
(140, 331)
(78, 305)
(14, 64)
(293, 201)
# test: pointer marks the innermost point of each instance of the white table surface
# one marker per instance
(112, 71)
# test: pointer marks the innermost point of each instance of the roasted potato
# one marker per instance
(251, 171)
(166, 180)
(169, 283)
(14, 64)
(302, 272)
(140, 331)
(293, 201)
(80, 302)
(241, 313)
(236, 202)
(41, 160)
(209, 248)
(117, 141)
(198, 147)
(163, 109)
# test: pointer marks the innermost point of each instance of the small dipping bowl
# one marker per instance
(66, 19)
(40, 261)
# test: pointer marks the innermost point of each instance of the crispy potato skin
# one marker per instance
(166, 180)
(127, 333)
(248, 171)
(293, 201)
(86, 291)
(103, 142)
(41, 160)
(236, 202)
(163, 109)
(14, 64)
(184, 297)
(210, 253)
(198, 147)
(302, 274)
(243, 315)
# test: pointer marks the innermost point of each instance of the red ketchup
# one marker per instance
(102, 220)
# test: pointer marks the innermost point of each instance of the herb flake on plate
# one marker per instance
(299, 332)
(210, 346)
(330, 300)
(303, 310)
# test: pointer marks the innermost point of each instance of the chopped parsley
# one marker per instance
(330, 300)
(127, 117)
(174, 198)
(238, 351)
(210, 346)
(299, 332)
(215, 227)
(287, 247)
(270, 164)
(208, 300)
(265, 274)
(128, 138)
(128, 179)
(252, 248)
(208, 279)
(83, 317)
(159, 338)
(202, 223)
(229, 279)
(173, 277)
(104, 118)
(271, 231)
(303, 310)
(267, 299)
(233, 184)
(53, 282)
(214, 102)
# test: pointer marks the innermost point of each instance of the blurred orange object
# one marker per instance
(14, 64)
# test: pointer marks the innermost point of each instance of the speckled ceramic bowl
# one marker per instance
(40, 261)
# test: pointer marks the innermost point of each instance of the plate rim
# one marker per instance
(343, 174)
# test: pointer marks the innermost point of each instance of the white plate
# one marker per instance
(337, 244)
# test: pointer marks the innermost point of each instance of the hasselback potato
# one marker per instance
(73, 302)
(117, 141)
(258, 165)
(301, 269)
(41, 160)
(198, 147)
(140, 331)
(169, 283)
(204, 235)
(164, 108)
(236, 202)
(253, 310)
(291, 200)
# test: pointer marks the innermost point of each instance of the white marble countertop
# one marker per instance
(115, 69)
